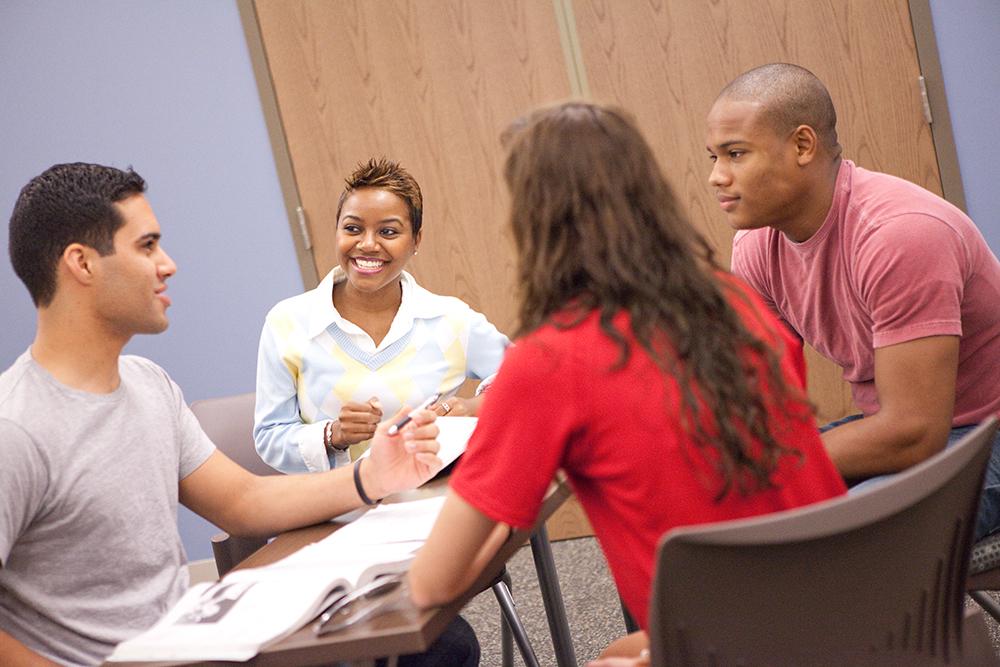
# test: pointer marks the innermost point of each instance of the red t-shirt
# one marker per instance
(556, 403)
(892, 263)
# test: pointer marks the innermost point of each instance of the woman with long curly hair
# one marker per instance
(655, 379)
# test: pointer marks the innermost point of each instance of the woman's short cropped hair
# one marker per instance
(386, 175)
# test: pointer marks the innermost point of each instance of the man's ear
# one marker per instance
(806, 144)
(78, 261)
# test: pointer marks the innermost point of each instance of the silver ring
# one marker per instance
(446, 407)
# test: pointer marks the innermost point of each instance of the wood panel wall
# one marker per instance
(433, 83)
(667, 61)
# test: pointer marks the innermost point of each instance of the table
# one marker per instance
(394, 633)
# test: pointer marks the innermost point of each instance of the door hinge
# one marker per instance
(924, 100)
(303, 229)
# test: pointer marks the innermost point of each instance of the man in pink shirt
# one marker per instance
(888, 280)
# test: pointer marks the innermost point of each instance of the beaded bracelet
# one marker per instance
(328, 435)
(328, 439)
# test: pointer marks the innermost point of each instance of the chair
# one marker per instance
(228, 422)
(874, 578)
(984, 574)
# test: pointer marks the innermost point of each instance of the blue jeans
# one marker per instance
(988, 519)
(456, 647)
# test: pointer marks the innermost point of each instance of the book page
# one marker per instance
(248, 609)
(352, 564)
(406, 523)
(454, 436)
(231, 619)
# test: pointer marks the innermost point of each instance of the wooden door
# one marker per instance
(431, 84)
(666, 60)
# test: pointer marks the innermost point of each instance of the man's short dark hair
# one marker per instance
(791, 96)
(67, 203)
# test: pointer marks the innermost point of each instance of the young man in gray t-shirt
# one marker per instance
(98, 448)
(102, 469)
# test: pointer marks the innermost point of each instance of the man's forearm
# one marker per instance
(879, 445)
(246, 504)
(916, 395)
(282, 502)
(16, 654)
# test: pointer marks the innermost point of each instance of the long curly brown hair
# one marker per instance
(597, 227)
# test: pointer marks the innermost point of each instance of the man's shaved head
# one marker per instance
(789, 96)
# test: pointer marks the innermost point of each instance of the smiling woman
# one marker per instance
(335, 361)
(375, 240)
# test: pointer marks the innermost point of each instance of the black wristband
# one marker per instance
(360, 489)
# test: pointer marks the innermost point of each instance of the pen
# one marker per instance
(394, 429)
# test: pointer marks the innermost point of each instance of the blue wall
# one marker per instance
(167, 86)
(968, 36)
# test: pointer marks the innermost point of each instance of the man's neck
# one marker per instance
(77, 353)
(815, 207)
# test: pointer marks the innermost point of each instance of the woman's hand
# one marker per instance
(405, 460)
(632, 650)
(457, 407)
(357, 422)
(640, 661)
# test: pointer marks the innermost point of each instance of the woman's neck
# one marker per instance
(372, 311)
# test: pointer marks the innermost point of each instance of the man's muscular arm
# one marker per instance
(915, 381)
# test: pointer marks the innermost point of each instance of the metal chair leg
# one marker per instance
(988, 604)
(506, 601)
(555, 608)
(506, 637)
(506, 644)
(630, 624)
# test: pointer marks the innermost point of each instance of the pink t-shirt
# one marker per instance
(891, 263)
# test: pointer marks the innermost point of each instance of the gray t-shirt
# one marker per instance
(89, 549)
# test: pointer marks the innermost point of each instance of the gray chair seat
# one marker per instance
(873, 578)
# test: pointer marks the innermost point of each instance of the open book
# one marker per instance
(234, 618)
